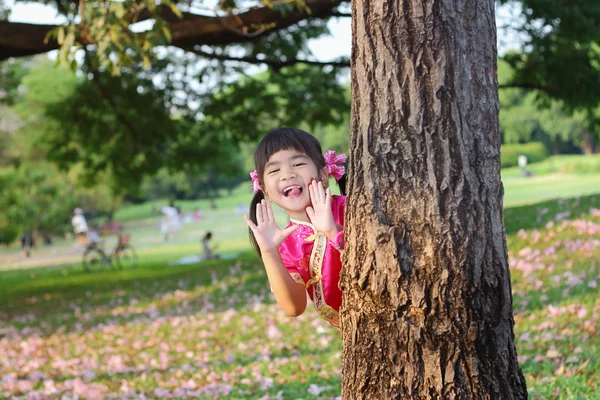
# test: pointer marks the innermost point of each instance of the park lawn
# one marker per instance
(555, 270)
(520, 191)
(229, 201)
(212, 330)
(561, 164)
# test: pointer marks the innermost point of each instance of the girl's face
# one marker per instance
(286, 179)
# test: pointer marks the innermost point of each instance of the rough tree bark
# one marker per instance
(427, 310)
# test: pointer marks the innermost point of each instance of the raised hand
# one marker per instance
(320, 212)
(268, 235)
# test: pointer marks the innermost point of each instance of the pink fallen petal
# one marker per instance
(316, 390)
(525, 251)
(164, 393)
(538, 284)
(273, 333)
(524, 337)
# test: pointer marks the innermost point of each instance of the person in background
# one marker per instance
(47, 239)
(207, 252)
(79, 226)
(92, 238)
(170, 223)
(241, 209)
(27, 243)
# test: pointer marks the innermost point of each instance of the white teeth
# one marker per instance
(287, 189)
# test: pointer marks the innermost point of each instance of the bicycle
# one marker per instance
(124, 255)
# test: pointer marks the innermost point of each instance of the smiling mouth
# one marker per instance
(296, 189)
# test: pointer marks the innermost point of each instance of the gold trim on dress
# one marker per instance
(298, 278)
(315, 269)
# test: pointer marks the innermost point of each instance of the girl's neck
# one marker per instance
(298, 216)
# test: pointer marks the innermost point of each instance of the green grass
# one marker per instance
(555, 177)
(555, 278)
(568, 164)
(532, 190)
(532, 216)
(229, 201)
(154, 325)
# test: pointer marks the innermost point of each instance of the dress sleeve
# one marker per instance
(339, 209)
(291, 265)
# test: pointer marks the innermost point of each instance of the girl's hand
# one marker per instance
(268, 235)
(320, 213)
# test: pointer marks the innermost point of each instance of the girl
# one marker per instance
(292, 172)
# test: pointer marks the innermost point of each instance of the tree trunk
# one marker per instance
(427, 308)
(586, 144)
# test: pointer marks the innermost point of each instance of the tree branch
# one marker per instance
(529, 86)
(247, 26)
(19, 39)
(341, 14)
(270, 63)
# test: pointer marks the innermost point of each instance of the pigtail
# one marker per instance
(258, 197)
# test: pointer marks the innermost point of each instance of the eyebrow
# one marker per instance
(293, 158)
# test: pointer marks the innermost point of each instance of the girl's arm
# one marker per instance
(290, 295)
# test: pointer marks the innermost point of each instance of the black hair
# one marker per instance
(285, 139)
(208, 236)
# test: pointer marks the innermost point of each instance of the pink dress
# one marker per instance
(313, 261)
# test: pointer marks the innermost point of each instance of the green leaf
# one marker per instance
(175, 10)
(167, 32)
(114, 37)
(118, 9)
(60, 37)
(146, 61)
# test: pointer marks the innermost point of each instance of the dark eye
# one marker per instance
(273, 171)
(299, 164)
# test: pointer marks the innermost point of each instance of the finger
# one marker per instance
(288, 231)
(266, 206)
(250, 224)
(270, 212)
(321, 192)
(311, 192)
(315, 188)
(310, 212)
(328, 196)
(259, 214)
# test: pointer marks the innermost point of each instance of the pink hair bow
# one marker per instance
(331, 161)
(255, 182)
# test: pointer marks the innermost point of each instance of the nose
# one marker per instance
(288, 173)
